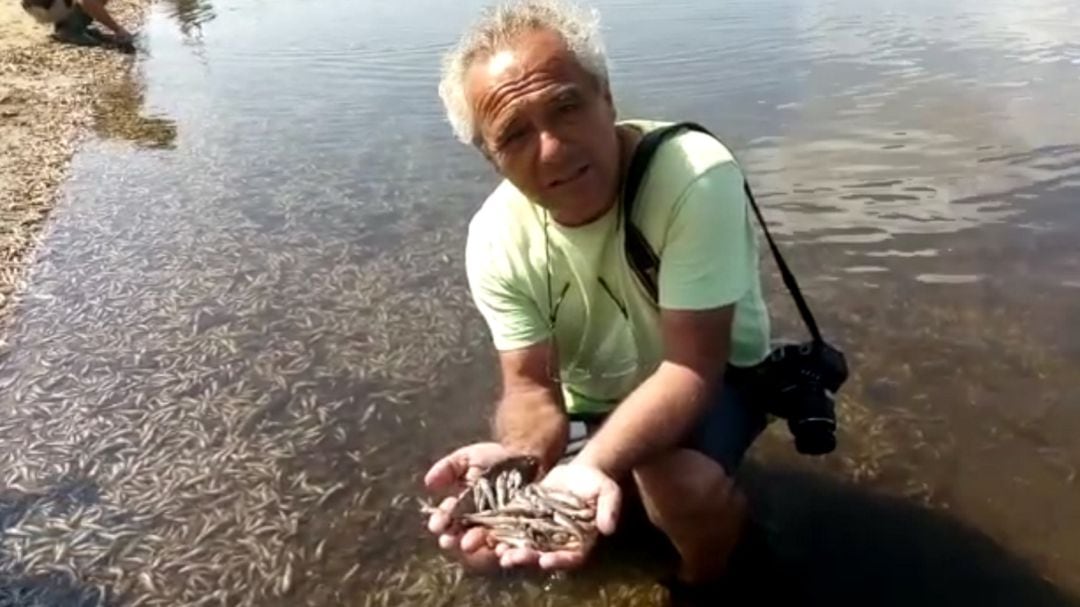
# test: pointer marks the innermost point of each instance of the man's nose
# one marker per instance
(552, 148)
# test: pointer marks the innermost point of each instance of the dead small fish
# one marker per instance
(507, 501)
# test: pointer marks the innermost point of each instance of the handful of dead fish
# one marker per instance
(519, 512)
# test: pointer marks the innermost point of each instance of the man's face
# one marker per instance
(547, 125)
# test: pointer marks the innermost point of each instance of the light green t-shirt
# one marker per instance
(691, 208)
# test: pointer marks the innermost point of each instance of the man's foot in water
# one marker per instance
(109, 40)
(76, 37)
(755, 576)
(91, 36)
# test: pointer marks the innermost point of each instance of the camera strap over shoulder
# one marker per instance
(643, 259)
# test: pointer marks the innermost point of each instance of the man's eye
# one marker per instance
(511, 137)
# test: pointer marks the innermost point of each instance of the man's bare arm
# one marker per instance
(663, 409)
(529, 417)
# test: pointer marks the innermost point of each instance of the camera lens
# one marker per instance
(814, 436)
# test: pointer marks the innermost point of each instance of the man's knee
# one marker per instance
(684, 486)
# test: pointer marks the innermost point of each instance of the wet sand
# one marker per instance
(48, 94)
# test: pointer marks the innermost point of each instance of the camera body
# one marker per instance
(798, 382)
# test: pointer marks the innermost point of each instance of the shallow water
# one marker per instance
(246, 331)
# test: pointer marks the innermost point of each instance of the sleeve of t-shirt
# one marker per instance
(710, 255)
(511, 316)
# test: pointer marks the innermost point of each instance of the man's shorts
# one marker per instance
(724, 433)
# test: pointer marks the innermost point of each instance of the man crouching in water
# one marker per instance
(576, 333)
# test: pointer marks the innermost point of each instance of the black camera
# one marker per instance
(798, 382)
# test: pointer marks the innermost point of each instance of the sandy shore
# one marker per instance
(47, 98)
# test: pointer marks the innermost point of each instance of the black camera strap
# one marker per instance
(644, 261)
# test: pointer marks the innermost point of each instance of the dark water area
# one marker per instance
(246, 332)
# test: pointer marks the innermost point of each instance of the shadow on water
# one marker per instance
(850, 546)
(52, 588)
(120, 114)
(58, 497)
(49, 590)
(190, 16)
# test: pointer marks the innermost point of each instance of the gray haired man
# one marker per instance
(576, 333)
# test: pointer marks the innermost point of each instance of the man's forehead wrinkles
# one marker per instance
(493, 102)
(535, 86)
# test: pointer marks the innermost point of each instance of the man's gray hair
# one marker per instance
(501, 25)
